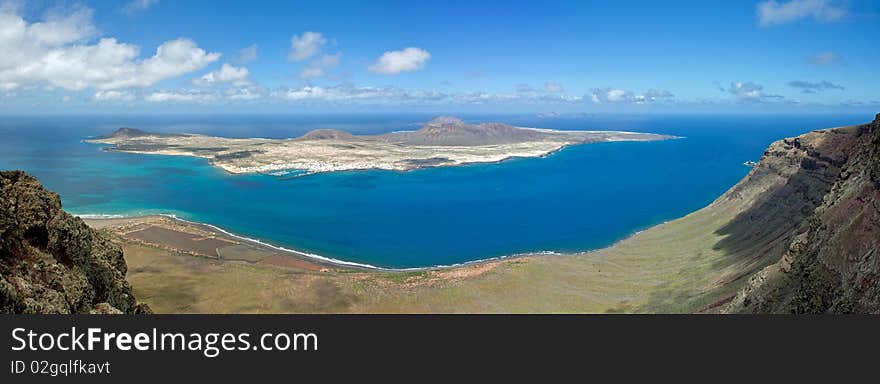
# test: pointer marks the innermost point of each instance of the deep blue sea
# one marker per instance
(581, 198)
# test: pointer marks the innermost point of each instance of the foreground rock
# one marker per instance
(444, 141)
(830, 205)
(52, 262)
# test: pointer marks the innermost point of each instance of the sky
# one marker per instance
(162, 56)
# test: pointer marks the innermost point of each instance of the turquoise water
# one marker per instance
(581, 198)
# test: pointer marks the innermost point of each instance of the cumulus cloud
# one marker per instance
(337, 93)
(379, 95)
(246, 93)
(317, 67)
(549, 87)
(394, 62)
(808, 87)
(56, 53)
(825, 59)
(310, 45)
(226, 74)
(305, 46)
(247, 54)
(206, 96)
(613, 95)
(181, 96)
(553, 87)
(135, 6)
(113, 96)
(750, 92)
(775, 13)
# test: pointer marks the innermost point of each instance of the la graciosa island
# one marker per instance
(443, 141)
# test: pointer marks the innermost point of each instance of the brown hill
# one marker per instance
(126, 133)
(327, 134)
(446, 130)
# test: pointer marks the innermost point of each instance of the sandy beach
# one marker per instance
(205, 241)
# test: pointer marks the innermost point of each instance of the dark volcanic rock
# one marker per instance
(832, 263)
(52, 262)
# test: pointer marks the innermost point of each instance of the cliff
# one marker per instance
(818, 196)
(52, 262)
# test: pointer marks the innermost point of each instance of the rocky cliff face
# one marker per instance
(824, 202)
(52, 262)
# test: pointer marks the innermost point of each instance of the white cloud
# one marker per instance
(226, 74)
(746, 90)
(113, 96)
(56, 53)
(135, 6)
(336, 93)
(394, 62)
(317, 67)
(247, 93)
(181, 96)
(773, 13)
(613, 95)
(340, 94)
(57, 29)
(305, 46)
(750, 92)
(553, 87)
(247, 54)
(380, 95)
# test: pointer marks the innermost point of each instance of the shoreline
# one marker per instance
(313, 257)
(443, 142)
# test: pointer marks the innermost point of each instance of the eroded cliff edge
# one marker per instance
(825, 204)
(51, 261)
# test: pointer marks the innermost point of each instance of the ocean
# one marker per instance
(578, 199)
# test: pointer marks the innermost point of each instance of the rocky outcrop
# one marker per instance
(52, 262)
(827, 209)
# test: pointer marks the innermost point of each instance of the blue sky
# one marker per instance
(151, 56)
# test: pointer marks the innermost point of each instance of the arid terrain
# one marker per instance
(731, 256)
(798, 234)
(444, 141)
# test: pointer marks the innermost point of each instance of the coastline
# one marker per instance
(111, 221)
(443, 142)
(623, 277)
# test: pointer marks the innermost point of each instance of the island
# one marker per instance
(443, 141)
